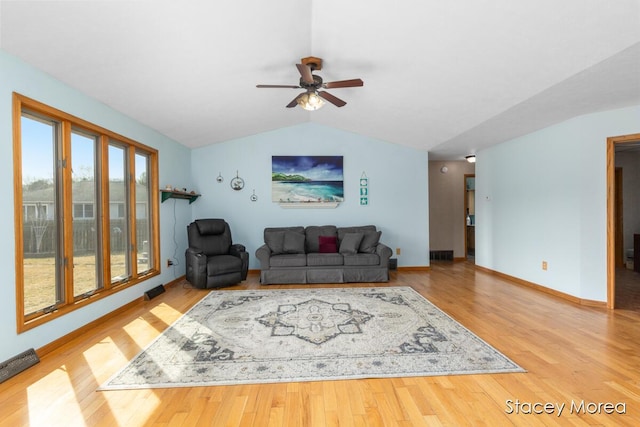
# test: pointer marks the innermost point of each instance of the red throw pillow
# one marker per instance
(328, 244)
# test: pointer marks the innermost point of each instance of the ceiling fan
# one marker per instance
(313, 98)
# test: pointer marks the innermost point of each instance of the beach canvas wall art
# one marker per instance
(307, 179)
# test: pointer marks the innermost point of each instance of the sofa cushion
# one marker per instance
(275, 241)
(359, 229)
(320, 259)
(293, 242)
(351, 243)
(327, 244)
(313, 233)
(274, 237)
(288, 260)
(361, 259)
(370, 242)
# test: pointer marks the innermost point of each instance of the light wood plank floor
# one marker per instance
(627, 289)
(573, 354)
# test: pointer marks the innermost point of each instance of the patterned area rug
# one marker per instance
(261, 336)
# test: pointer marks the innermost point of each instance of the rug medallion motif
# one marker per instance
(314, 320)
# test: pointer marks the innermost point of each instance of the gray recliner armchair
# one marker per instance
(212, 259)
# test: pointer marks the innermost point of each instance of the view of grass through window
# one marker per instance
(40, 226)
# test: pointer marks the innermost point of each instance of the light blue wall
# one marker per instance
(398, 186)
(16, 76)
(538, 197)
(543, 197)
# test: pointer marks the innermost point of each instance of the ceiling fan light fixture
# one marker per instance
(315, 96)
(310, 101)
(471, 158)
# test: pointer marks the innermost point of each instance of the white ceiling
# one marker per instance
(450, 77)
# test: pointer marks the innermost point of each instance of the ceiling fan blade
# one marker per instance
(332, 99)
(305, 72)
(344, 83)
(295, 101)
(278, 86)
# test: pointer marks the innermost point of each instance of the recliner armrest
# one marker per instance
(196, 266)
(236, 248)
(194, 251)
(240, 251)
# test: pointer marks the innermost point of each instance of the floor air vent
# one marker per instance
(441, 255)
(17, 364)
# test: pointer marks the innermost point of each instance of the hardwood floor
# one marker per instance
(573, 354)
(627, 289)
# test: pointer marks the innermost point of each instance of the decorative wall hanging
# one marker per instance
(253, 197)
(237, 183)
(307, 181)
(219, 179)
(364, 189)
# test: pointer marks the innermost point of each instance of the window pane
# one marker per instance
(86, 245)
(77, 210)
(40, 233)
(29, 212)
(143, 224)
(119, 230)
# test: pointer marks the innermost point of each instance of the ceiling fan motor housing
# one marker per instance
(317, 83)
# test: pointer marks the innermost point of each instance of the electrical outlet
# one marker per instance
(169, 263)
(544, 265)
(398, 251)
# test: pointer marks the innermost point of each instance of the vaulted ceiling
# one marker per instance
(449, 77)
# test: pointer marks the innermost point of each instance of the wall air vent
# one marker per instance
(441, 255)
(15, 365)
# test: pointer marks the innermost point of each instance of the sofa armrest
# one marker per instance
(240, 251)
(384, 252)
(196, 266)
(263, 253)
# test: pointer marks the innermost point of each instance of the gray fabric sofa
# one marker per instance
(323, 254)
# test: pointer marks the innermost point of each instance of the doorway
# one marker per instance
(470, 216)
(623, 275)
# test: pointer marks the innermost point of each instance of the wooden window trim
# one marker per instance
(22, 103)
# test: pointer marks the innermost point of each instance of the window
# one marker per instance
(82, 210)
(116, 210)
(87, 200)
(31, 212)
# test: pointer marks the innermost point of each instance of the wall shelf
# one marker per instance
(172, 194)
